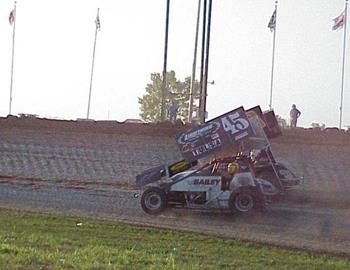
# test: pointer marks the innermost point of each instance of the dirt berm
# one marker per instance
(110, 152)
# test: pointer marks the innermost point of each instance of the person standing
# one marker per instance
(294, 115)
(173, 111)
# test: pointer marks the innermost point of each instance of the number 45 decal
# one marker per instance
(232, 123)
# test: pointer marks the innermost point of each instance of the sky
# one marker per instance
(54, 44)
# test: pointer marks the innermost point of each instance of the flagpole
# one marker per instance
(93, 62)
(273, 55)
(343, 68)
(193, 78)
(13, 55)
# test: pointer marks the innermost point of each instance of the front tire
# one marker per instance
(153, 200)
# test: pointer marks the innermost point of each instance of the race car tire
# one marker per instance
(242, 202)
(153, 200)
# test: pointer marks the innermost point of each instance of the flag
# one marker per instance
(12, 17)
(97, 21)
(339, 21)
(272, 22)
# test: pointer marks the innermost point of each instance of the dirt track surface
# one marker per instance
(295, 226)
(76, 168)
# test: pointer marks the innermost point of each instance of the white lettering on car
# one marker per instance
(206, 182)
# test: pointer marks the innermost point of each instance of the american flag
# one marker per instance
(12, 17)
(339, 21)
(272, 22)
(97, 21)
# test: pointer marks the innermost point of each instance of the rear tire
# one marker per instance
(242, 202)
(153, 200)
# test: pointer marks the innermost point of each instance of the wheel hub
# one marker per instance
(153, 201)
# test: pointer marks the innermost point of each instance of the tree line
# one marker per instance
(176, 92)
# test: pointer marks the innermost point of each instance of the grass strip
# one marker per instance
(43, 241)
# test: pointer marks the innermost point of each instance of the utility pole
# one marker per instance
(162, 112)
(201, 99)
(193, 77)
(206, 63)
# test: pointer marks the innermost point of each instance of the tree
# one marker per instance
(176, 91)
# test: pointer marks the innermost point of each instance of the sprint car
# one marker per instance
(227, 183)
(237, 182)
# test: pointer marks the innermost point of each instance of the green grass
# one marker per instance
(40, 241)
